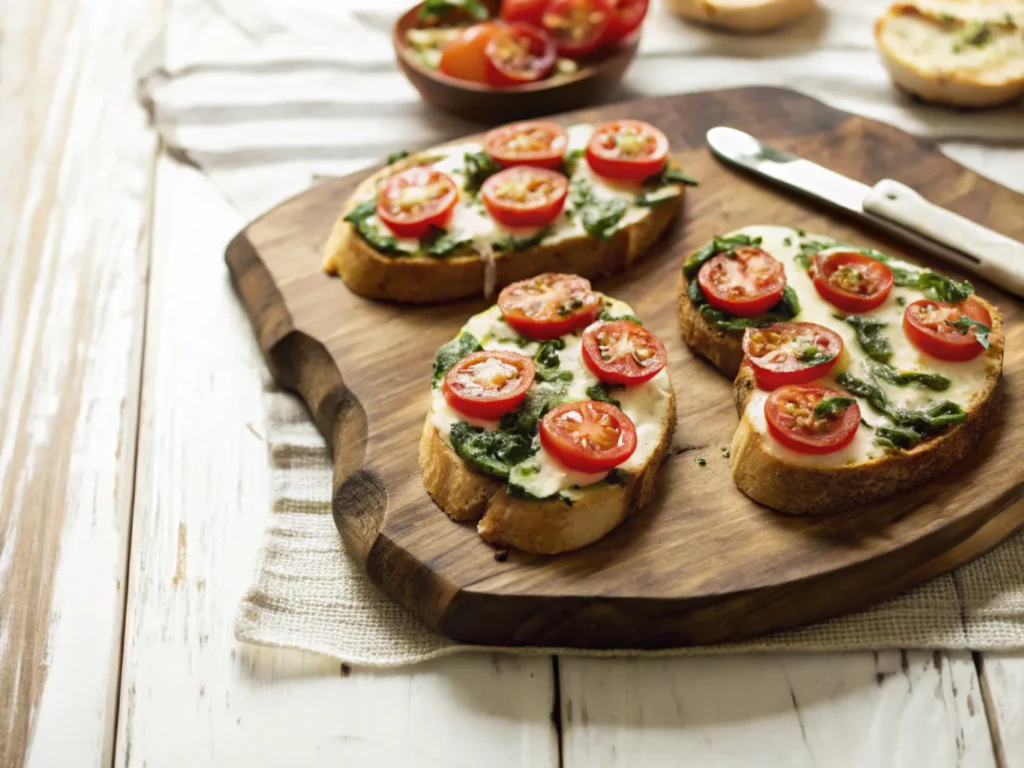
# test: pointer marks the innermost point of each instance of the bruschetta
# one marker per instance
(962, 54)
(857, 375)
(743, 15)
(529, 198)
(551, 413)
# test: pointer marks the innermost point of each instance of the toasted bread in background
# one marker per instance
(742, 15)
(961, 54)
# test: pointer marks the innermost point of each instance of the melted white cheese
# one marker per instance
(543, 475)
(470, 220)
(967, 378)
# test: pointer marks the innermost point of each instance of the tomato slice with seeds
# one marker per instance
(743, 282)
(464, 57)
(791, 353)
(927, 324)
(627, 15)
(577, 26)
(524, 196)
(588, 436)
(529, 11)
(488, 384)
(792, 419)
(537, 142)
(415, 200)
(519, 53)
(852, 281)
(631, 150)
(622, 352)
(549, 306)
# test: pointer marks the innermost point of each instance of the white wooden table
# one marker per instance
(133, 490)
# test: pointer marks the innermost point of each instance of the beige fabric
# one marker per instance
(310, 595)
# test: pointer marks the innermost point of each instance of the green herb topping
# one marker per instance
(359, 217)
(394, 157)
(716, 246)
(831, 407)
(449, 354)
(437, 9)
(602, 393)
(964, 325)
(870, 338)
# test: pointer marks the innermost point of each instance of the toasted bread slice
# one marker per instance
(743, 15)
(786, 481)
(955, 53)
(476, 267)
(501, 473)
(544, 527)
(864, 471)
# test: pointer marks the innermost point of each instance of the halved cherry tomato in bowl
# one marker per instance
(519, 53)
(622, 352)
(743, 282)
(930, 327)
(577, 26)
(588, 436)
(464, 57)
(529, 11)
(549, 306)
(795, 419)
(791, 353)
(488, 384)
(415, 200)
(627, 15)
(852, 281)
(524, 196)
(536, 142)
(631, 150)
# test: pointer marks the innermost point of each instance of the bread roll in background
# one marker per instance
(742, 15)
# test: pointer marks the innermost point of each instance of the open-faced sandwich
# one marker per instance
(532, 197)
(857, 375)
(963, 53)
(551, 414)
(742, 15)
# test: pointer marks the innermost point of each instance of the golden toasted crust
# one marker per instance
(953, 86)
(723, 349)
(542, 527)
(742, 15)
(420, 279)
(802, 490)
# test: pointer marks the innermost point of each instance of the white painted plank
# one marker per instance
(76, 162)
(808, 710)
(1003, 680)
(201, 504)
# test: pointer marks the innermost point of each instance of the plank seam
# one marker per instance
(989, 707)
(556, 709)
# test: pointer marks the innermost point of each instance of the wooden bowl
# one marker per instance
(475, 101)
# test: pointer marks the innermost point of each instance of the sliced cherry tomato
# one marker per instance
(588, 436)
(631, 150)
(792, 420)
(791, 353)
(627, 15)
(524, 196)
(622, 352)
(529, 11)
(415, 200)
(851, 281)
(464, 57)
(537, 142)
(743, 282)
(927, 324)
(519, 53)
(577, 26)
(488, 384)
(549, 306)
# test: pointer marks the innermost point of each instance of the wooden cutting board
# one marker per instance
(702, 563)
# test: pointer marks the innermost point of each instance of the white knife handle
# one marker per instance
(993, 256)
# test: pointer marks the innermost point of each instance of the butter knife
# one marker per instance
(889, 206)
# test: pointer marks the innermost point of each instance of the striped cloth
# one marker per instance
(266, 95)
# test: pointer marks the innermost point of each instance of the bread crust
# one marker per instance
(723, 349)
(742, 15)
(954, 87)
(802, 490)
(422, 280)
(544, 527)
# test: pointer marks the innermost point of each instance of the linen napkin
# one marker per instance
(266, 96)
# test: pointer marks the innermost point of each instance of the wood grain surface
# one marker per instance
(703, 564)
